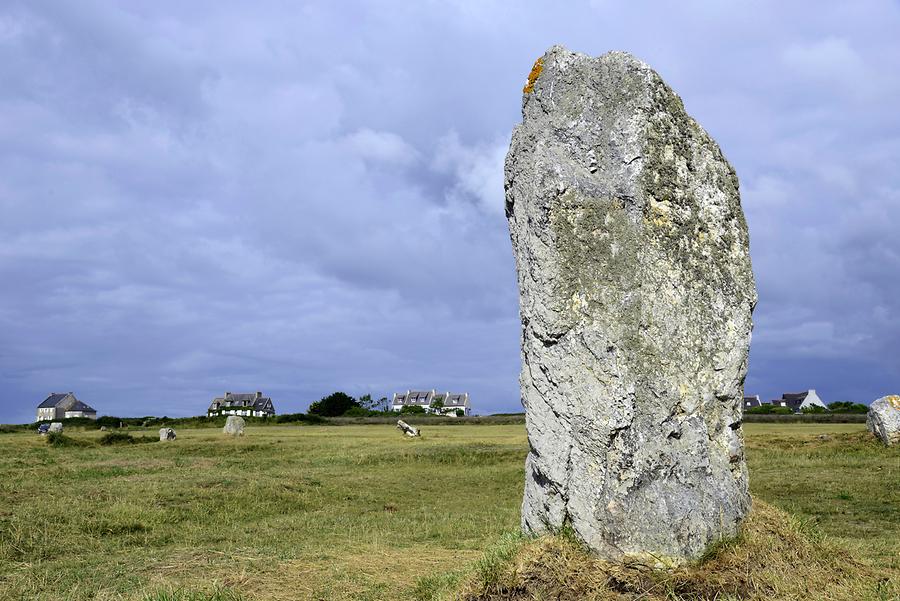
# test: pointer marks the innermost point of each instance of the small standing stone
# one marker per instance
(406, 428)
(166, 434)
(234, 426)
(883, 419)
(56, 427)
(103, 428)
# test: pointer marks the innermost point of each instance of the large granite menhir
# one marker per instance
(636, 294)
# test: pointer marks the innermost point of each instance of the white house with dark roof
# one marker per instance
(63, 405)
(449, 403)
(248, 404)
(751, 402)
(798, 401)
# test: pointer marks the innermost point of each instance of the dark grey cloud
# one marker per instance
(206, 196)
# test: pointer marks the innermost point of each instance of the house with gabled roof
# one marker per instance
(798, 401)
(433, 401)
(241, 403)
(751, 402)
(63, 405)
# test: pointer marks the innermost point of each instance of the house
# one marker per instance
(798, 401)
(241, 403)
(751, 402)
(413, 398)
(63, 405)
(447, 403)
(456, 403)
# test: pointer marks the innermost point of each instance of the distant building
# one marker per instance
(751, 402)
(798, 401)
(241, 403)
(456, 402)
(64, 405)
(447, 403)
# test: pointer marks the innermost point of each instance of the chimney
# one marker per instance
(258, 394)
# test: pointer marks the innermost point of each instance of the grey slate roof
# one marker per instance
(53, 400)
(242, 400)
(79, 406)
(456, 400)
(794, 399)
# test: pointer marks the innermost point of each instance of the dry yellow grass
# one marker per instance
(774, 558)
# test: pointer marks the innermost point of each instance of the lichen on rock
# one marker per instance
(636, 294)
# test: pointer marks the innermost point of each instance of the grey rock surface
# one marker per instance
(56, 427)
(234, 426)
(636, 294)
(166, 434)
(883, 419)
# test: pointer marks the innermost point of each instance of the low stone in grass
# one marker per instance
(56, 427)
(883, 419)
(166, 434)
(407, 429)
(234, 426)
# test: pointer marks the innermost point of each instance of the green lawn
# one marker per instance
(346, 512)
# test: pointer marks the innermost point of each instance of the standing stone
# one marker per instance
(166, 434)
(234, 426)
(407, 429)
(883, 419)
(56, 427)
(636, 294)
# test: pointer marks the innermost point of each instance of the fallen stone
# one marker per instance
(407, 429)
(234, 426)
(636, 293)
(883, 419)
(56, 427)
(166, 434)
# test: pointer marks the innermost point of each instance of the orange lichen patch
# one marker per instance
(532, 77)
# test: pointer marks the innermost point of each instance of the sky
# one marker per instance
(299, 198)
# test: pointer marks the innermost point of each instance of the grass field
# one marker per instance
(349, 512)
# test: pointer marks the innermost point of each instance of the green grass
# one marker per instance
(351, 512)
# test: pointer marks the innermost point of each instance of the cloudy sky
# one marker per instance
(300, 198)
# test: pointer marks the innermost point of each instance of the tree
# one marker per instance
(335, 404)
(412, 409)
(437, 405)
(366, 402)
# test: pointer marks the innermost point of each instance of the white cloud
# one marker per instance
(380, 146)
(476, 169)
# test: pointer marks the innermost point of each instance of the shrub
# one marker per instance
(287, 418)
(814, 409)
(847, 407)
(111, 438)
(407, 409)
(58, 439)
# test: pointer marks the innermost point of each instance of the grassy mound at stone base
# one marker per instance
(775, 557)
